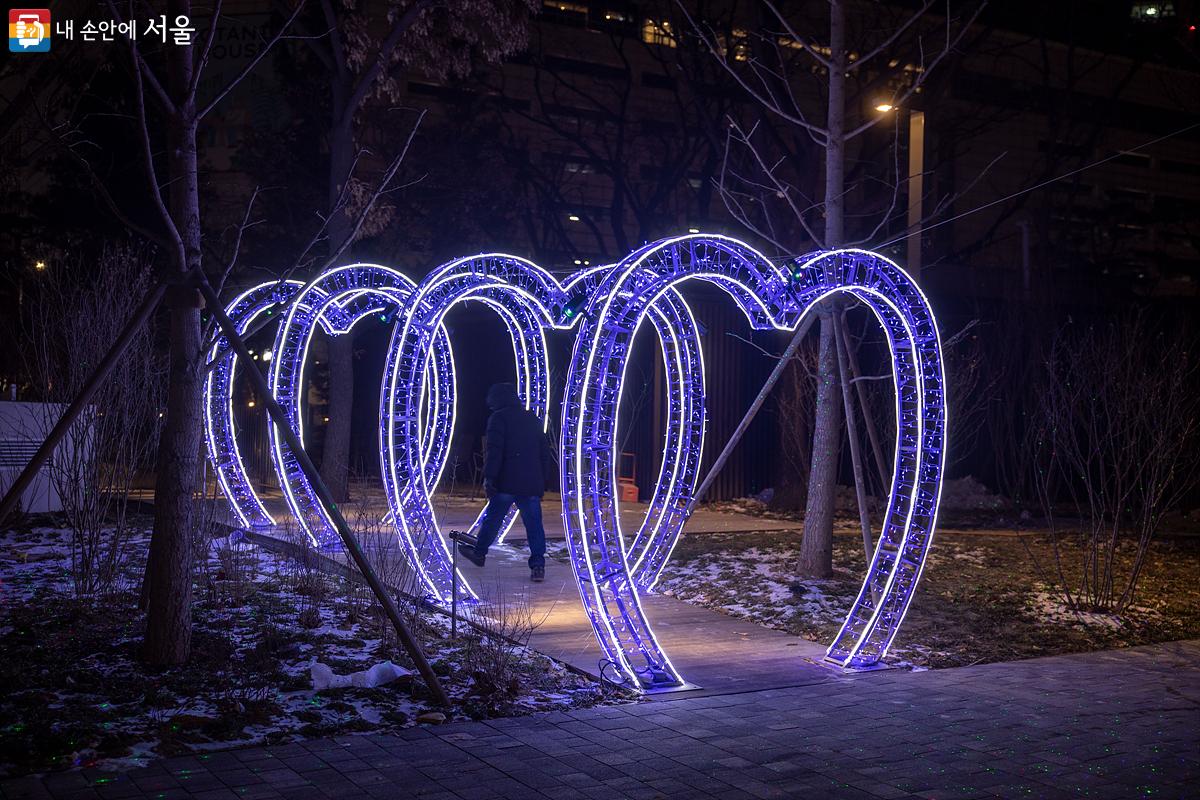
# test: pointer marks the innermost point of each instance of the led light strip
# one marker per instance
(612, 303)
(770, 298)
(336, 313)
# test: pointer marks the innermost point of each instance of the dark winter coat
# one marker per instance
(518, 459)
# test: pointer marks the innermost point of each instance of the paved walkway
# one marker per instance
(458, 511)
(1117, 724)
(714, 652)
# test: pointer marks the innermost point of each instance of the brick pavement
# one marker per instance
(1116, 724)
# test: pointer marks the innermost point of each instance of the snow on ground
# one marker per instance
(754, 583)
(1052, 606)
(77, 694)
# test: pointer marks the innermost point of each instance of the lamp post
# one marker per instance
(916, 189)
(916, 184)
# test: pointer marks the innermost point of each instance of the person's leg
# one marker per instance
(531, 518)
(493, 518)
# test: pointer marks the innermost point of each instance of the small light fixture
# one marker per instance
(578, 262)
(327, 419)
(266, 355)
(40, 266)
(573, 217)
(250, 404)
(574, 305)
(884, 108)
(693, 230)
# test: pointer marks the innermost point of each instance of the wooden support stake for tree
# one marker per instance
(864, 516)
(94, 381)
(279, 417)
(738, 432)
(868, 417)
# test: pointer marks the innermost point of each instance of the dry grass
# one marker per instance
(984, 596)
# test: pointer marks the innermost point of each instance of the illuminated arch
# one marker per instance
(530, 300)
(609, 304)
(683, 441)
(347, 295)
(336, 314)
(219, 428)
(770, 297)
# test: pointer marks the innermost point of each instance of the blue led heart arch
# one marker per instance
(336, 301)
(608, 305)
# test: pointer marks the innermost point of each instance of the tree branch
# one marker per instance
(206, 50)
(140, 65)
(262, 53)
(367, 79)
(152, 175)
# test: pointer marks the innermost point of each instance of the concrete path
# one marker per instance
(715, 652)
(1117, 724)
(459, 511)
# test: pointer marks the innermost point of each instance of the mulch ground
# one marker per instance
(983, 597)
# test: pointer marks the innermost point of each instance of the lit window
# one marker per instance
(1148, 12)
(658, 32)
(741, 47)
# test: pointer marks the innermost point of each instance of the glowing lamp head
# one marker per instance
(573, 217)
(574, 305)
(39, 266)
(884, 107)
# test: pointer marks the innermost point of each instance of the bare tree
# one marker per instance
(67, 327)
(854, 58)
(627, 147)
(166, 98)
(1116, 448)
(366, 55)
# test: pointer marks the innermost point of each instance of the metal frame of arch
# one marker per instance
(358, 291)
(770, 296)
(609, 305)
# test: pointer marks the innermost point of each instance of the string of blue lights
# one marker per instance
(608, 305)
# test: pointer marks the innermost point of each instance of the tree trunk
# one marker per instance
(335, 456)
(816, 551)
(168, 588)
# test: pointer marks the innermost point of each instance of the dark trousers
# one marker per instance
(530, 507)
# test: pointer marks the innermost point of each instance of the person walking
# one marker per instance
(517, 463)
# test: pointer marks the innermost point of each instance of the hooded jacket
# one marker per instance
(518, 459)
